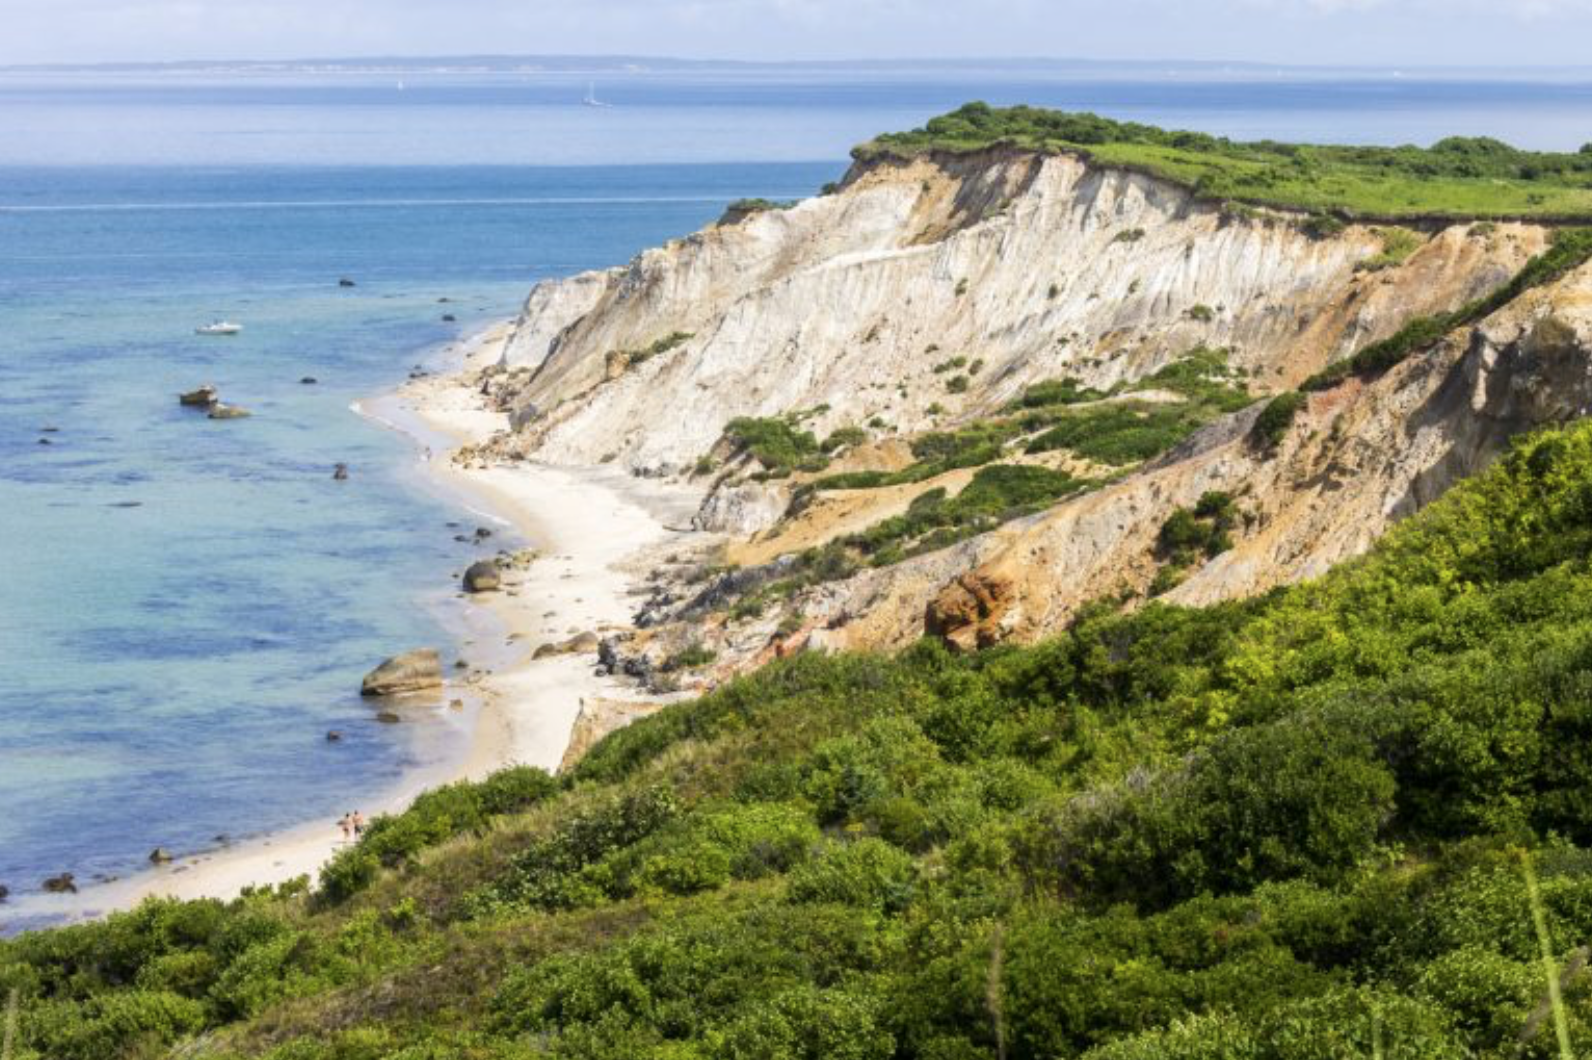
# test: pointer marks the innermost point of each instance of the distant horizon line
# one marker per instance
(626, 63)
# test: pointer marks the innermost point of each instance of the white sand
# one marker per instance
(587, 524)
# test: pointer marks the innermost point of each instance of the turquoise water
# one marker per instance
(185, 606)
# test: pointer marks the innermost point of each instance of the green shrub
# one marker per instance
(777, 444)
(866, 872)
(1272, 425)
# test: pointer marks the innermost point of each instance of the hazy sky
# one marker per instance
(1370, 32)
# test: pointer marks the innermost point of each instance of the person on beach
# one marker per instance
(358, 821)
(347, 825)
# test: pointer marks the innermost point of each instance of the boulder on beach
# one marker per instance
(62, 884)
(159, 856)
(482, 576)
(202, 398)
(219, 411)
(413, 671)
(580, 644)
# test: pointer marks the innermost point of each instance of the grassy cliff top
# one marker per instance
(1459, 177)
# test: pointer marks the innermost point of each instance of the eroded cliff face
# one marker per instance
(1358, 458)
(1031, 268)
(1035, 266)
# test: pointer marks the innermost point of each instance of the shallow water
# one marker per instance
(186, 606)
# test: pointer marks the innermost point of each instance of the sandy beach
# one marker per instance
(595, 532)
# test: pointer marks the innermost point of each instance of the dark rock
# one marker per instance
(387, 717)
(45, 441)
(482, 577)
(731, 586)
(62, 884)
(202, 398)
(309, 380)
(219, 411)
(444, 300)
(345, 282)
(333, 736)
(482, 532)
(413, 671)
(159, 856)
(5, 892)
(449, 318)
(127, 504)
(49, 430)
(340, 472)
(611, 661)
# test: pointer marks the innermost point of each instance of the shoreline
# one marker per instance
(592, 531)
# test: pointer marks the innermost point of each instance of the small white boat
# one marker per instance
(220, 327)
(591, 99)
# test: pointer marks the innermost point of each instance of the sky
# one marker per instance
(1400, 33)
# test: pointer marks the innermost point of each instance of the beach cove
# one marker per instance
(594, 532)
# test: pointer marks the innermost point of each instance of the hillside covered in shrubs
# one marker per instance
(1351, 818)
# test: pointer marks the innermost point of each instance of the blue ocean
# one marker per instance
(186, 605)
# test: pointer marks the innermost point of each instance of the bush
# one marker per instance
(867, 872)
(777, 444)
(1271, 426)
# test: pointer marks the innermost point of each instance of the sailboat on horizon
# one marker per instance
(591, 99)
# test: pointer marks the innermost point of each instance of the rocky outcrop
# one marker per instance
(967, 613)
(413, 671)
(483, 576)
(742, 509)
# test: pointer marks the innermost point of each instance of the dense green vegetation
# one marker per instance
(1455, 178)
(1293, 827)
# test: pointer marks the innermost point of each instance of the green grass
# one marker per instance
(1456, 178)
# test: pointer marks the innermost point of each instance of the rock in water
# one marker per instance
(340, 472)
(482, 577)
(345, 282)
(309, 380)
(202, 398)
(159, 856)
(219, 411)
(5, 892)
(413, 671)
(62, 884)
